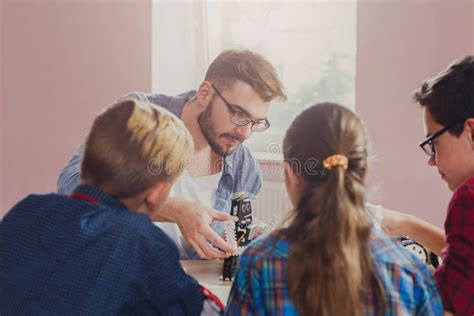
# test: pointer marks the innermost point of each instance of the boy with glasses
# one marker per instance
(447, 102)
(229, 105)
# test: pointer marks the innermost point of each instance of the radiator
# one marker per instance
(273, 200)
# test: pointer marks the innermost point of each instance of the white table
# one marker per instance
(208, 273)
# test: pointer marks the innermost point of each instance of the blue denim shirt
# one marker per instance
(241, 172)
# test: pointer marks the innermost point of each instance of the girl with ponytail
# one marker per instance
(329, 260)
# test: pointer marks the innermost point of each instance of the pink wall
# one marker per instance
(399, 43)
(62, 61)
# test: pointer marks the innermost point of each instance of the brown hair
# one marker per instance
(449, 95)
(249, 67)
(133, 145)
(330, 262)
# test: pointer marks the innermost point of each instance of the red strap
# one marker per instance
(84, 197)
(211, 296)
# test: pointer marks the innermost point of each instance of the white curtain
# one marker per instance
(180, 45)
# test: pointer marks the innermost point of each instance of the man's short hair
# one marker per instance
(249, 67)
(449, 96)
(132, 145)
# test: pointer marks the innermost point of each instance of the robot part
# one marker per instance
(238, 232)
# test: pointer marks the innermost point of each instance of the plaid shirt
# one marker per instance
(260, 286)
(455, 276)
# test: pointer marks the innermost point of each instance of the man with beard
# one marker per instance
(230, 104)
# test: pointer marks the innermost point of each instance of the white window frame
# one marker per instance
(180, 62)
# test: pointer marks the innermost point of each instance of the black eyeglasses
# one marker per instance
(427, 144)
(240, 118)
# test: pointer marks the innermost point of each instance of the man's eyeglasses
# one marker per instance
(240, 118)
(428, 144)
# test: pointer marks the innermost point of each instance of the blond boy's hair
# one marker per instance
(132, 145)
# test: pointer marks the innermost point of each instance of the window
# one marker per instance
(312, 44)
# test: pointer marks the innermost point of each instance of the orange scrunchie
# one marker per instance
(336, 161)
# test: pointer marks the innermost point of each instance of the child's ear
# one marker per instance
(292, 177)
(288, 172)
(469, 124)
(157, 195)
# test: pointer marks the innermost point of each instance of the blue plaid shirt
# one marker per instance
(89, 255)
(241, 171)
(260, 286)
